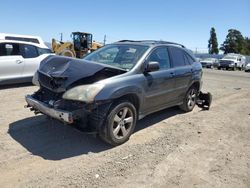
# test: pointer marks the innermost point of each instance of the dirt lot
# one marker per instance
(168, 149)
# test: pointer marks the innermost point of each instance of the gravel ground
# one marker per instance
(168, 148)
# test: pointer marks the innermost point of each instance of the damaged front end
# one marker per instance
(68, 88)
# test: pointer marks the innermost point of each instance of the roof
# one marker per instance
(152, 42)
(34, 40)
(78, 32)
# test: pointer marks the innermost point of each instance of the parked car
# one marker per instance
(19, 59)
(209, 62)
(247, 68)
(113, 87)
(232, 61)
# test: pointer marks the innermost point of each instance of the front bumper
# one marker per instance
(39, 106)
(206, 65)
(247, 68)
(226, 66)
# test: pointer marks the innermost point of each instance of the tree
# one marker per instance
(246, 50)
(234, 43)
(212, 42)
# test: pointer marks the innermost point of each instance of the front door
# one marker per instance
(159, 85)
(11, 62)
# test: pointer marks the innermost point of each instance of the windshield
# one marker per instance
(208, 59)
(122, 56)
(230, 57)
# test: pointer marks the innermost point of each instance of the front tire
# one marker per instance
(190, 100)
(120, 123)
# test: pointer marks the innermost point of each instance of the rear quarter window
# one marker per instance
(44, 51)
(188, 59)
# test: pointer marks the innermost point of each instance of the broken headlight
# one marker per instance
(85, 93)
(35, 79)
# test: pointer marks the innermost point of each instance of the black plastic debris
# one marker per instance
(204, 100)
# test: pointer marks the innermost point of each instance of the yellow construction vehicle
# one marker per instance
(81, 45)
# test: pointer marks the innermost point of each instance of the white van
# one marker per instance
(232, 61)
(20, 57)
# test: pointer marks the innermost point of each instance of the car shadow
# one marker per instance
(53, 140)
(157, 117)
(10, 86)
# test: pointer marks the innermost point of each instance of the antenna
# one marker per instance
(104, 40)
(61, 37)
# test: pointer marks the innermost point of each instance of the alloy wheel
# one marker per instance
(122, 123)
(191, 99)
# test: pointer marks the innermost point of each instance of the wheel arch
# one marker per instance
(196, 84)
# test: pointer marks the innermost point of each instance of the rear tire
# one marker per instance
(119, 124)
(190, 100)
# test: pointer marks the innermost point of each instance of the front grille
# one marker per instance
(52, 83)
(45, 95)
(225, 62)
(45, 80)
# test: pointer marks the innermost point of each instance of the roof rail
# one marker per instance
(153, 42)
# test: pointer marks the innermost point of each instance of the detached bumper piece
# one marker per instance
(204, 100)
(40, 107)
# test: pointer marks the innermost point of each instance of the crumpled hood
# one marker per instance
(58, 66)
(57, 72)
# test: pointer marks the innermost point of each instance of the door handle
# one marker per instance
(172, 74)
(19, 61)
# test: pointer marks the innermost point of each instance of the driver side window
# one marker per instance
(161, 56)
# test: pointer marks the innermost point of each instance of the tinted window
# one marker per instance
(177, 57)
(189, 60)
(8, 49)
(161, 56)
(29, 51)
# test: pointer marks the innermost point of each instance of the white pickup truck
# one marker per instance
(232, 61)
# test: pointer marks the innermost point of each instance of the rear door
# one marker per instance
(11, 61)
(159, 85)
(182, 64)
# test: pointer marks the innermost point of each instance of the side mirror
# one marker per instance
(152, 66)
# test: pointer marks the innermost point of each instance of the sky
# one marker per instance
(184, 21)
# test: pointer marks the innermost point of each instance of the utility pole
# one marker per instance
(61, 37)
(104, 40)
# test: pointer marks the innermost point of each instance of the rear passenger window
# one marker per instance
(29, 51)
(9, 49)
(161, 56)
(177, 57)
